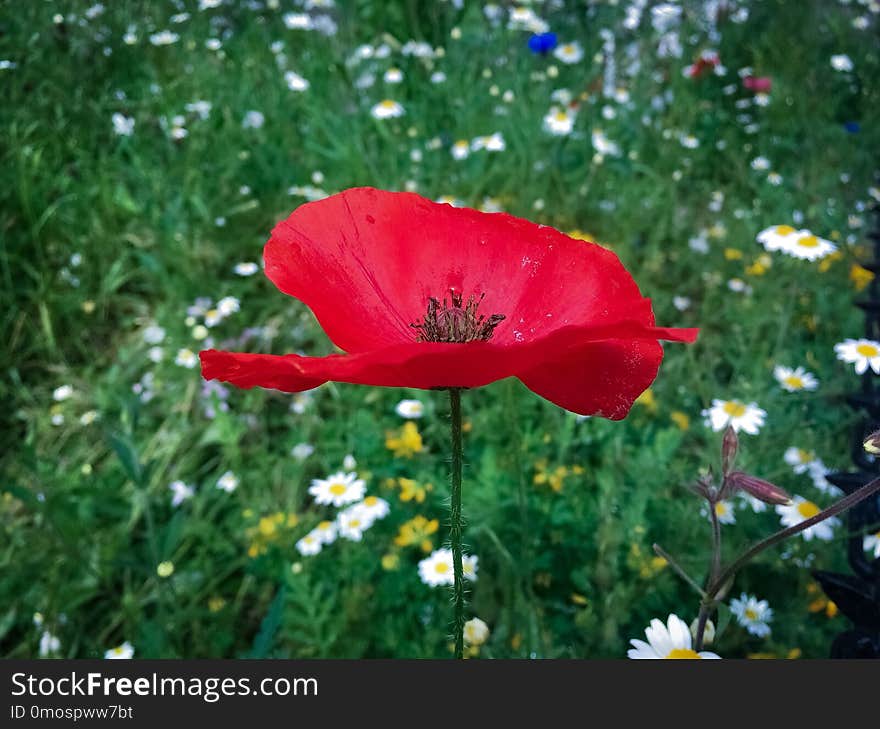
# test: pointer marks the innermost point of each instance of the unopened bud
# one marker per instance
(729, 445)
(872, 443)
(759, 488)
(708, 631)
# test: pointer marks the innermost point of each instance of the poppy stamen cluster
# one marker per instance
(456, 322)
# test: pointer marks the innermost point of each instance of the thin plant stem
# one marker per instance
(678, 569)
(455, 523)
(866, 491)
(720, 581)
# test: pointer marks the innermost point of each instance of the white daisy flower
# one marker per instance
(476, 632)
(469, 566)
(228, 482)
(228, 305)
(246, 268)
(863, 353)
(559, 122)
(180, 492)
(164, 38)
(326, 531)
(603, 145)
(748, 418)
(800, 510)
(387, 109)
(569, 52)
(491, 143)
(373, 508)
(154, 334)
(301, 451)
(62, 393)
(807, 246)
(799, 459)
(186, 358)
(410, 409)
(725, 512)
(310, 544)
(124, 651)
(295, 82)
(775, 237)
(122, 125)
(49, 644)
(393, 76)
(682, 303)
(338, 489)
(461, 149)
(871, 543)
(793, 380)
(672, 640)
(841, 62)
(752, 614)
(352, 524)
(437, 569)
(297, 21)
(253, 119)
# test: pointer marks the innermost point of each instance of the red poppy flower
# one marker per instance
(425, 295)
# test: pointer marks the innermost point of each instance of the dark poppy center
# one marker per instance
(454, 320)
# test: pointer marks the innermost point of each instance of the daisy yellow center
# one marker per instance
(441, 568)
(682, 653)
(720, 508)
(751, 614)
(810, 241)
(867, 350)
(794, 381)
(807, 509)
(561, 116)
(337, 489)
(388, 104)
(370, 500)
(568, 49)
(805, 456)
(734, 409)
(354, 523)
(118, 651)
(784, 230)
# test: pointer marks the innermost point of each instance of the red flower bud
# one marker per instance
(729, 444)
(762, 490)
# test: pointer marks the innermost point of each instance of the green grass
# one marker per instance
(85, 511)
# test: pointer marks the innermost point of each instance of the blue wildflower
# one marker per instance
(543, 43)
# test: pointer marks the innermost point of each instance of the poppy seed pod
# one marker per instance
(762, 490)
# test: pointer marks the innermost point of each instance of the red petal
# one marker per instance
(587, 370)
(366, 262)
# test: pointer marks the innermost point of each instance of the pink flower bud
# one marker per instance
(758, 84)
(762, 490)
(729, 444)
(872, 443)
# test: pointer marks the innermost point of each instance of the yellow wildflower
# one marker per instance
(417, 531)
(648, 400)
(406, 442)
(860, 276)
(680, 419)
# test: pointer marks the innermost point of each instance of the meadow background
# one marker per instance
(149, 147)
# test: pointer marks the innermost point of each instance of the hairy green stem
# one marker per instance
(455, 525)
